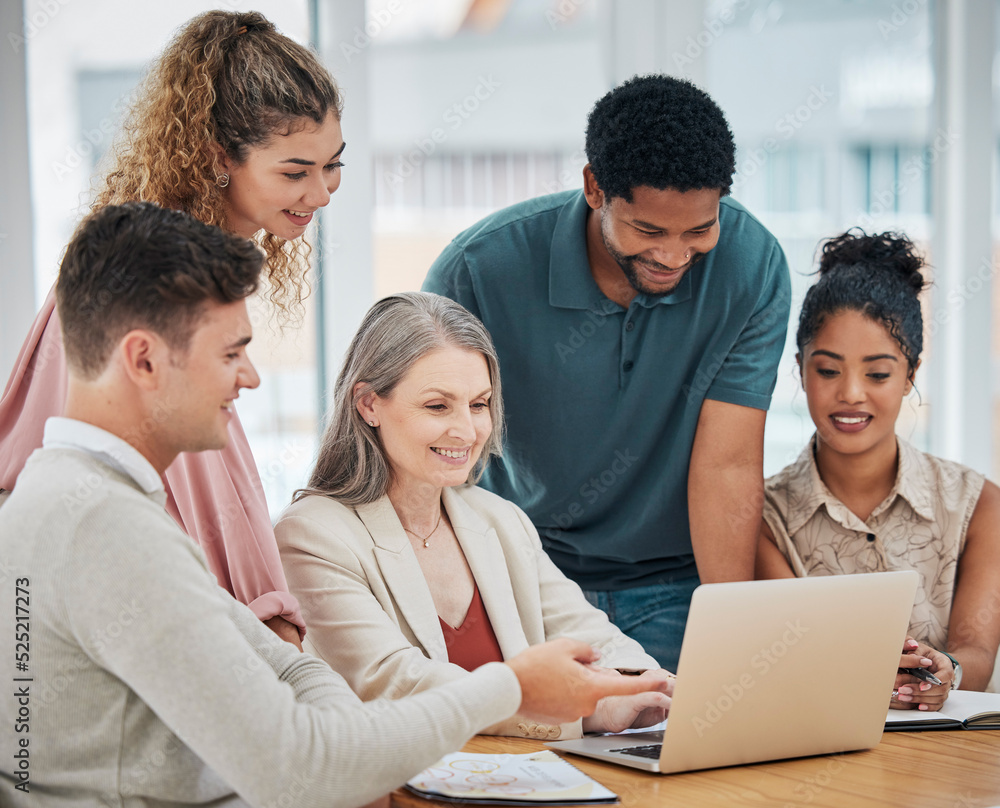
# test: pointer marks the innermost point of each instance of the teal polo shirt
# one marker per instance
(602, 402)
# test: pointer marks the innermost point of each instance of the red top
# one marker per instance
(473, 643)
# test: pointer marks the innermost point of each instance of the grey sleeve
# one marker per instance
(278, 726)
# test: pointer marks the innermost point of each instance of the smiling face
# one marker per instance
(202, 382)
(280, 185)
(855, 377)
(434, 424)
(658, 236)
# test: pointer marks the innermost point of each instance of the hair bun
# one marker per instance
(889, 252)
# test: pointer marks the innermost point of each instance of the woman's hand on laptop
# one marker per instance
(617, 713)
(910, 692)
(559, 683)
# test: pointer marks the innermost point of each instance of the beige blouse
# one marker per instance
(920, 526)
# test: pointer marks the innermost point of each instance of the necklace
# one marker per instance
(424, 539)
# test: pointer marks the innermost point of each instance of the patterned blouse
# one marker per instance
(920, 526)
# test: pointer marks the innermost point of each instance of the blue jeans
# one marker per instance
(654, 616)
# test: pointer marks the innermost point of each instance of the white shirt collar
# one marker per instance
(68, 433)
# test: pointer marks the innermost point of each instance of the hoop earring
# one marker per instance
(222, 180)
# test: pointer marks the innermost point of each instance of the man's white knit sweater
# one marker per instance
(148, 685)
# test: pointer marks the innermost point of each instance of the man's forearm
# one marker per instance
(726, 490)
(725, 514)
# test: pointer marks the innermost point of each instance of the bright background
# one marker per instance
(877, 113)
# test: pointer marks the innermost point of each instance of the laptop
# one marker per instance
(775, 669)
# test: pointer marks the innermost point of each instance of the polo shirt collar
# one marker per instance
(571, 284)
(68, 433)
(807, 488)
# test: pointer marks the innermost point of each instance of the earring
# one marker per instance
(687, 255)
(222, 180)
(371, 423)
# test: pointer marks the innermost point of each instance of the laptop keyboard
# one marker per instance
(650, 751)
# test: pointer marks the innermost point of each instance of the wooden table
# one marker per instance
(952, 769)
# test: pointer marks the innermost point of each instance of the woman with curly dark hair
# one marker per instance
(239, 126)
(860, 498)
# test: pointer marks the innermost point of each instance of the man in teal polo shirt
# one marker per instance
(639, 324)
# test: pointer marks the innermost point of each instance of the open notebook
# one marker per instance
(964, 709)
(537, 778)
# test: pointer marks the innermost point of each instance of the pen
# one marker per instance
(639, 671)
(923, 673)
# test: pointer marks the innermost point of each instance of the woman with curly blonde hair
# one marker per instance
(239, 126)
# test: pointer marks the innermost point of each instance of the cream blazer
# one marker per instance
(370, 614)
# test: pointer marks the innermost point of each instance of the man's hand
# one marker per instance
(289, 632)
(558, 683)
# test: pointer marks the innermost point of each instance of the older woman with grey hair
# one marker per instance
(408, 574)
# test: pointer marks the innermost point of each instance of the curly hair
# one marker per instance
(878, 276)
(227, 79)
(661, 132)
